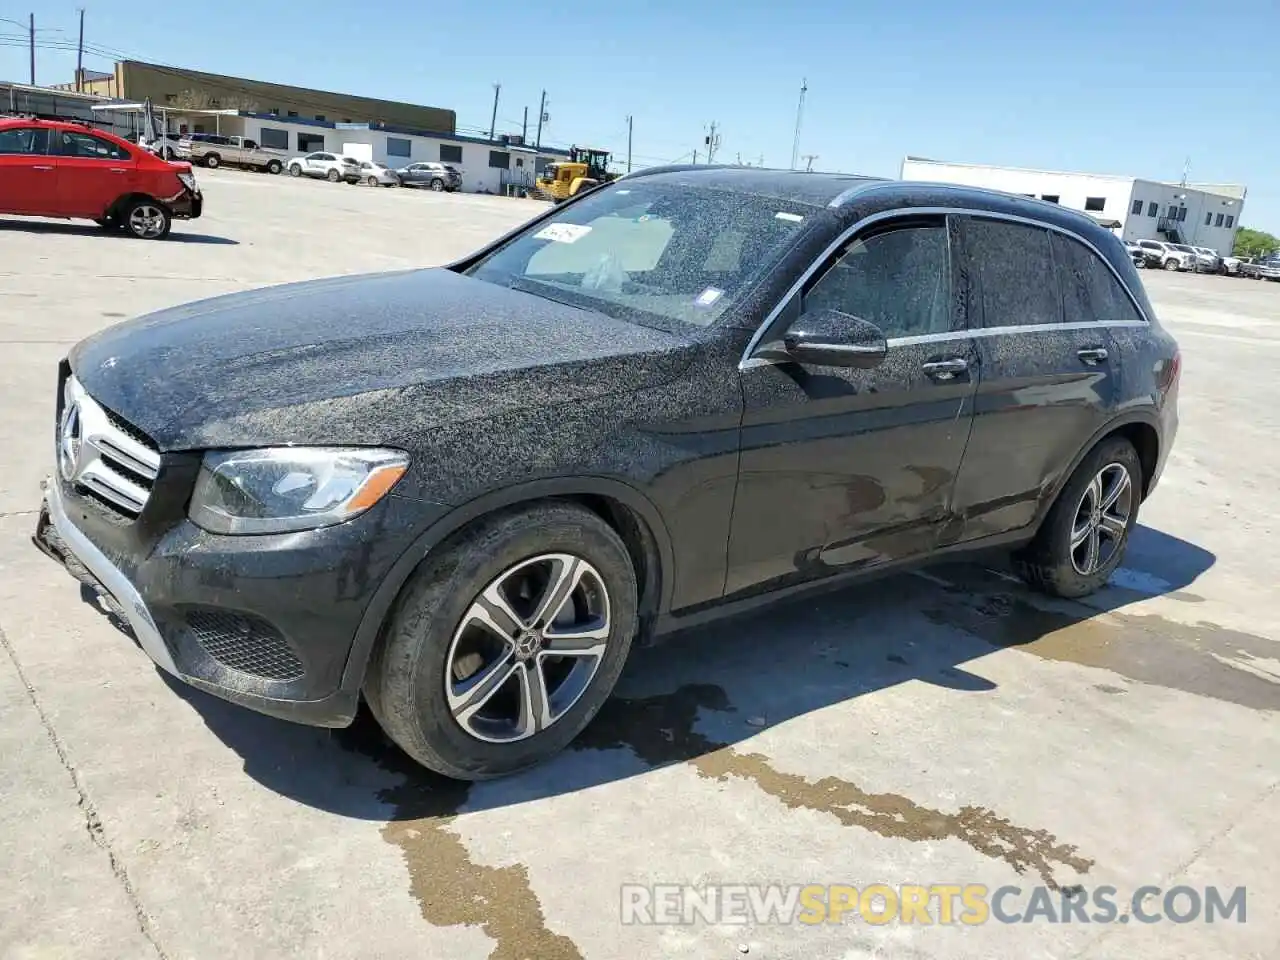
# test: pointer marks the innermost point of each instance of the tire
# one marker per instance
(274, 167)
(373, 181)
(108, 223)
(437, 185)
(1172, 265)
(429, 630)
(295, 170)
(146, 220)
(1049, 563)
(212, 161)
(333, 176)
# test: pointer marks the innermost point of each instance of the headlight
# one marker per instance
(188, 180)
(279, 489)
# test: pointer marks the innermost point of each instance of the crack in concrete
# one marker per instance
(92, 821)
(17, 513)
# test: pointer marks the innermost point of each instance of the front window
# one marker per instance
(69, 143)
(650, 252)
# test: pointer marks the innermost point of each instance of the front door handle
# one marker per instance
(946, 369)
(44, 168)
(1092, 355)
(119, 170)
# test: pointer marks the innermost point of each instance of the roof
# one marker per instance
(797, 186)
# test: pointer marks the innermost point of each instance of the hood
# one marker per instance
(368, 359)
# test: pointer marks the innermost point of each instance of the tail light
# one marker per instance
(1168, 376)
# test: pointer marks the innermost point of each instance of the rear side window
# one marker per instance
(24, 140)
(899, 279)
(71, 143)
(1014, 266)
(1090, 291)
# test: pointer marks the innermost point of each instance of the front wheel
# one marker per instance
(1083, 538)
(504, 645)
(1171, 265)
(372, 181)
(147, 220)
(295, 170)
(333, 176)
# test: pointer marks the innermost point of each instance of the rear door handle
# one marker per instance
(42, 167)
(1092, 355)
(119, 170)
(945, 369)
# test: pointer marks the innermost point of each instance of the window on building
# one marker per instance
(1152, 209)
(1050, 197)
(307, 142)
(399, 147)
(198, 128)
(1208, 218)
(346, 119)
(1182, 213)
(500, 159)
(519, 161)
(1013, 261)
(449, 153)
(320, 116)
(1095, 203)
(293, 113)
(1172, 213)
(898, 279)
(1231, 222)
(1137, 208)
(275, 139)
(541, 163)
(1217, 222)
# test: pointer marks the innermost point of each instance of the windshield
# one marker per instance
(650, 251)
(1183, 248)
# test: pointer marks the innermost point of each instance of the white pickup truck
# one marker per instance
(213, 150)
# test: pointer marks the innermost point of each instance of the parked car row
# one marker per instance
(1162, 255)
(1261, 268)
(431, 175)
(72, 170)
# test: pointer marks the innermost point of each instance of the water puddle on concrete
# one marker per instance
(450, 889)
(1202, 658)
(660, 730)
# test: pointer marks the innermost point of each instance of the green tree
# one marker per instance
(1255, 243)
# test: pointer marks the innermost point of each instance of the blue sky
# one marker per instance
(1095, 85)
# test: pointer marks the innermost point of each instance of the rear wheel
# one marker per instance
(273, 167)
(147, 220)
(437, 185)
(1083, 538)
(504, 645)
(212, 161)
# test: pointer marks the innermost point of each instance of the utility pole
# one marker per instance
(32, 34)
(762, 159)
(542, 115)
(795, 142)
(695, 156)
(80, 56)
(524, 130)
(739, 158)
(493, 121)
(1186, 170)
(809, 158)
(629, 119)
(712, 140)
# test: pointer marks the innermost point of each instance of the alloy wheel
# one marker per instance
(527, 648)
(146, 220)
(1101, 519)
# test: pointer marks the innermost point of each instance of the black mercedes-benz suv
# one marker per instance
(462, 493)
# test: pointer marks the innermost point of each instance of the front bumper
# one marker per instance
(188, 205)
(267, 622)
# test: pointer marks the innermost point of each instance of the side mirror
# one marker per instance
(830, 338)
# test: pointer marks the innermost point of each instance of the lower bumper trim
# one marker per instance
(112, 580)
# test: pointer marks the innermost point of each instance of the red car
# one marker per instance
(54, 168)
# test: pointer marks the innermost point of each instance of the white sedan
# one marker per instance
(378, 174)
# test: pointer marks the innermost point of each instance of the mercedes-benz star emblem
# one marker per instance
(69, 441)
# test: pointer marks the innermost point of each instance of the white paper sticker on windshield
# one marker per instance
(562, 232)
(708, 296)
(793, 217)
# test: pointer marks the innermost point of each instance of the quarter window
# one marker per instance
(84, 145)
(24, 140)
(1090, 291)
(898, 279)
(1013, 264)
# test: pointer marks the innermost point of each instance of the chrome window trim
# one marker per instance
(747, 361)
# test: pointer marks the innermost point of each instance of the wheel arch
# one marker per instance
(628, 511)
(1139, 427)
(121, 203)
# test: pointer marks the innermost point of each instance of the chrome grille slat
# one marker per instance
(98, 452)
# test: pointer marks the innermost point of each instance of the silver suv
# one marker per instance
(328, 166)
(431, 174)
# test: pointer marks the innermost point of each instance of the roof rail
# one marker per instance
(27, 115)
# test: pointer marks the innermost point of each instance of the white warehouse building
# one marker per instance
(1199, 214)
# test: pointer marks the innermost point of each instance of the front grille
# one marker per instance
(245, 643)
(103, 455)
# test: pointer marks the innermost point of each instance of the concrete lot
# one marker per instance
(945, 727)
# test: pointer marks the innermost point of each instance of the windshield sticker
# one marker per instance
(622, 193)
(708, 296)
(562, 232)
(793, 217)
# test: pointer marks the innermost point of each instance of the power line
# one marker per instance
(795, 142)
